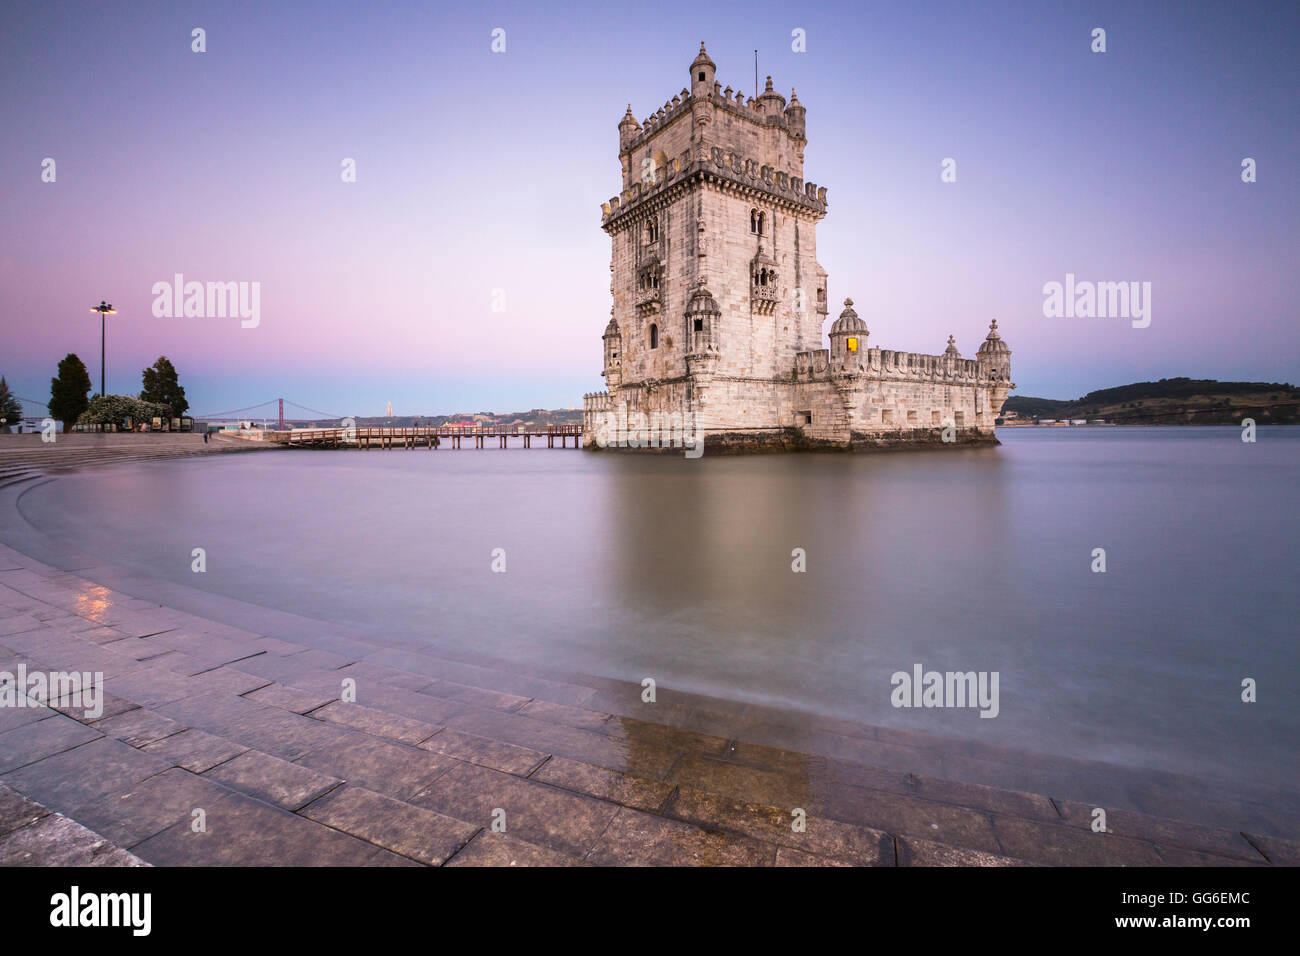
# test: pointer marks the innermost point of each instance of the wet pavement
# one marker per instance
(449, 761)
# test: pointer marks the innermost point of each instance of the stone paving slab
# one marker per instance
(833, 839)
(273, 780)
(257, 726)
(621, 788)
(647, 760)
(1062, 845)
(472, 675)
(1277, 851)
(138, 727)
(422, 835)
(91, 771)
(147, 807)
(634, 838)
(392, 769)
(914, 852)
(54, 840)
(288, 698)
(379, 723)
(500, 849)
(51, 735)
(249, 833)
(16, 811)
(484, 751)
(534, 812)
(1166, 833)
(195, 750)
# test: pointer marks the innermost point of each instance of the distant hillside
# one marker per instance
(1173, 401)
(535, 416)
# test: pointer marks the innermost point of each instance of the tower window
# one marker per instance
(699, 325)
(753, 221)
(701, 76)
(652, 229)
(654, 336)
(853, 344)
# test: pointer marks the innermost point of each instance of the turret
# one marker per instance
(702, 70)
(771, 103)
(702, 315)
(613, 340)
(848, 340)
(796, 118)
(628, 128)
(994, 357)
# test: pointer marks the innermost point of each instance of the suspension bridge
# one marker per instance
(273, 409)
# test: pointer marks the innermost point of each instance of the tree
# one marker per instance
(162, 387)
(119, 410)
(68, 391)
(11, 410)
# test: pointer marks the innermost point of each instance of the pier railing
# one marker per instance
(426, 436)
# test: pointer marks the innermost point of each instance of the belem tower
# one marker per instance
(719, 302)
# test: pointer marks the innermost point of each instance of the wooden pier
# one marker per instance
(427, 436)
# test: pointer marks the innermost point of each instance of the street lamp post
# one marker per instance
(103, 309)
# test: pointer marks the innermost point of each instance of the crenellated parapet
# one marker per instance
(726, 169)
(716, 134)
(768, 110)
(642, 132)
(812, 366)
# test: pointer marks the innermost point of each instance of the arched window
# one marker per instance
(652, 229)
(654, 336)
(753, 221)
(762, 216)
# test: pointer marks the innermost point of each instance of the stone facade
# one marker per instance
(719, 300)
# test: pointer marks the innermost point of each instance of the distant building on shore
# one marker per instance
(719, 301)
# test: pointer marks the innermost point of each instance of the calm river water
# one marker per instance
(628, 566)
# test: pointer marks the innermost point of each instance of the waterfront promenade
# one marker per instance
(26, 455)
(247, 722)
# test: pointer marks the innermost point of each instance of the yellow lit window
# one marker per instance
(853, 344)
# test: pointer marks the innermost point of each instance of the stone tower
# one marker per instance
(719, 302)
(714, 260)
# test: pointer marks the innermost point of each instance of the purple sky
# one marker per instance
(478, 171)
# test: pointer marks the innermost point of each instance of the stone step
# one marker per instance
(34, 835)
(510, 732)
(252, 730)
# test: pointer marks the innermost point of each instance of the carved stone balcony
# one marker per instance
(763, 298)
(649, 301)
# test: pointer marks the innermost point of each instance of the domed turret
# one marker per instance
(993, 345)
(628, 128)
(848, 340)
(771, 103)
(702, 71)
(994, 356)
(848, 323)
(796, 117)
(951, 350)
